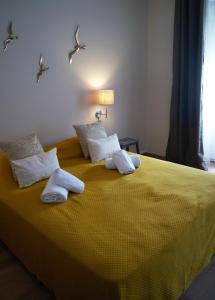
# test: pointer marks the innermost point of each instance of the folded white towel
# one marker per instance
(109, 164)
(123, 162)
(68, 181)
(53, 193)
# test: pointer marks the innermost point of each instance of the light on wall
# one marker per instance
(103, 97)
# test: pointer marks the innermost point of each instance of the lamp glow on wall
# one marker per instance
(103, 97)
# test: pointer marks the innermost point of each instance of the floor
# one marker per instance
(16, 283)
(203, 286)
(211, 167)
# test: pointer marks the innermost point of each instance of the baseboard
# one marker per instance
(154, 155)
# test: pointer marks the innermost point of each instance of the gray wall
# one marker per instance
(113, 31)
(158, 80)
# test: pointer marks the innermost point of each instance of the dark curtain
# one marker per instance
(185, 139)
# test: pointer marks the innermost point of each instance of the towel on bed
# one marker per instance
(68, 181)
(123, 162)
(109, 164)
(54, 193)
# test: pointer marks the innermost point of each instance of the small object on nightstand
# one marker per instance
(125, 143)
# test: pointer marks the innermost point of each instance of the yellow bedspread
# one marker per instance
(141, 236)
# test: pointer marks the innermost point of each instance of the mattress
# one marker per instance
(128, 237)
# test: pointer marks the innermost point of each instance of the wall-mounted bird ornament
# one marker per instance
(10, 38)
(42, 68)
(77, 46)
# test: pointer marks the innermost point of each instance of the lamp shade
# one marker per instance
(105, 97)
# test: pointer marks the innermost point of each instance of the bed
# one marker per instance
(141, 236)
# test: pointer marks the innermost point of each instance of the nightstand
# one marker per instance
(125, 143)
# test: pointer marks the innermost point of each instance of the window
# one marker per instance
(208, 81)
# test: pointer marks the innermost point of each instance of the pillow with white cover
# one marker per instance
(103, 148)
(32, 169)
(21, 148)
(92, 131)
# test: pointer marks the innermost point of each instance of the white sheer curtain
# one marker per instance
(208, 100)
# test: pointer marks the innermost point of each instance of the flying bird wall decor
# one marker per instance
(10, 38)
(77, 46)
(42, 68)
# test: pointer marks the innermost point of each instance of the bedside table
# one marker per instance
(125, 143)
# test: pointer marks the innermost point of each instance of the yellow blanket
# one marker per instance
(139, 236)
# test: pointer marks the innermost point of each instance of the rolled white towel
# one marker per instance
(54, 193)
(68, 181)
(136, 160)
(123, 162)
(109, 164)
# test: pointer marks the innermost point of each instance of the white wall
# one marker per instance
(113, 31)
(160, 23)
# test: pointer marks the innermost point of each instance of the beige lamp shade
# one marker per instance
(105, 97)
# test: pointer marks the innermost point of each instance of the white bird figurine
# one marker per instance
(11, 37)
(42, 68)
(77, 46)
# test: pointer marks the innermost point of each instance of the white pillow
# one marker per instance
(21, 148)
(103, 148)
(34, 168)
(92, 131)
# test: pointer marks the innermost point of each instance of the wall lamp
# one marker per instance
(103, 97)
